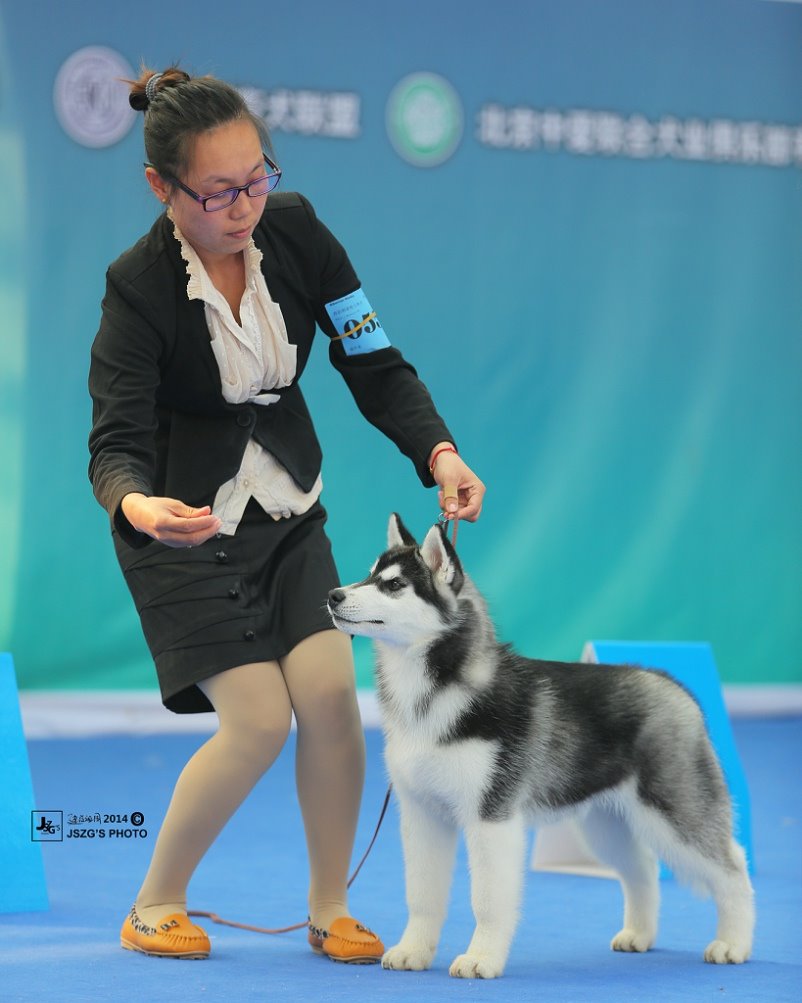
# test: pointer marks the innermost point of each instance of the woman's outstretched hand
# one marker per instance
(169, 520)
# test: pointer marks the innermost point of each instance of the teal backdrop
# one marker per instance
(580, 220)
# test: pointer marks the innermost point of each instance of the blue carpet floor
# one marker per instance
(256, 873)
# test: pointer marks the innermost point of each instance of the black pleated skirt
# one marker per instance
(236, 599)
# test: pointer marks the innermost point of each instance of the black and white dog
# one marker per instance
(481, 739)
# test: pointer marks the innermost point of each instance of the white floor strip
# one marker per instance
(81, 714)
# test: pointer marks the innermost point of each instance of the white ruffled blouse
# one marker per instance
(251, 355)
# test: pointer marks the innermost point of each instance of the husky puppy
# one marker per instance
(483, 740)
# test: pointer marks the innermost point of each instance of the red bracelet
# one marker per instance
(442, 449)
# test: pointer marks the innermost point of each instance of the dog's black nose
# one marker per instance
(336, 596)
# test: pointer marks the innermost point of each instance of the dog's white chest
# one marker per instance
(450, 778)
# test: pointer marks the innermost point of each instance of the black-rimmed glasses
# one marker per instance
(227, 197)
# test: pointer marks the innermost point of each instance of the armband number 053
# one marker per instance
(356, 324)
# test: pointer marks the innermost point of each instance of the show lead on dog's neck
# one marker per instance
(204, 454)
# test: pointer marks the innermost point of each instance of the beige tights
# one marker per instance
(254, 704)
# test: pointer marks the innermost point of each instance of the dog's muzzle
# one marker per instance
(336, 598)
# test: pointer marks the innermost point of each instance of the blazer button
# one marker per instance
(221, 556)
(233, 593)
(244, 419)
(249, 635)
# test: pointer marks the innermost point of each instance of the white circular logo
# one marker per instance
(90, 98)
(424, 119)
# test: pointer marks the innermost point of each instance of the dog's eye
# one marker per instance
(395, 584)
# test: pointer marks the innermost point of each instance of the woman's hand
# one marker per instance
(170, 521)
(461, 491)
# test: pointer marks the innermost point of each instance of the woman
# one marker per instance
(204, 454)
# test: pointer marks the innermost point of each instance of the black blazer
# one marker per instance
(160, 423)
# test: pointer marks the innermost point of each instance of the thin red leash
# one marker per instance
(454, 525)
(299, 926)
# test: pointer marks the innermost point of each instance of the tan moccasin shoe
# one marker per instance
(176, 936)
(348, 941)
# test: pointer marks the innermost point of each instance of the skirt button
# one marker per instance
(249, 635)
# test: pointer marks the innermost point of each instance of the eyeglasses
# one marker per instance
(227, 197)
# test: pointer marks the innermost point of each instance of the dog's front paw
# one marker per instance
(631, 940)
(476, 966)
(719, 952)
(408, 957)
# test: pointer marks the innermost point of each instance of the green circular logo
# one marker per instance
(424, 119)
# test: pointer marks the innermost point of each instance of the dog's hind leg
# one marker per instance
(718, 868)
(496, 853)
(734, 897)
(695, 842)
(611, 839)
(429, 845)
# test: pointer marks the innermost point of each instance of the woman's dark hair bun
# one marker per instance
(140, 99)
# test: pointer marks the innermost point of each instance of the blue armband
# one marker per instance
(356, 324)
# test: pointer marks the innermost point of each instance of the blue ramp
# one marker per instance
(22, 827)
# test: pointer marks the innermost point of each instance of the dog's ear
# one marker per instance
(441, 558)
(398, 535)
